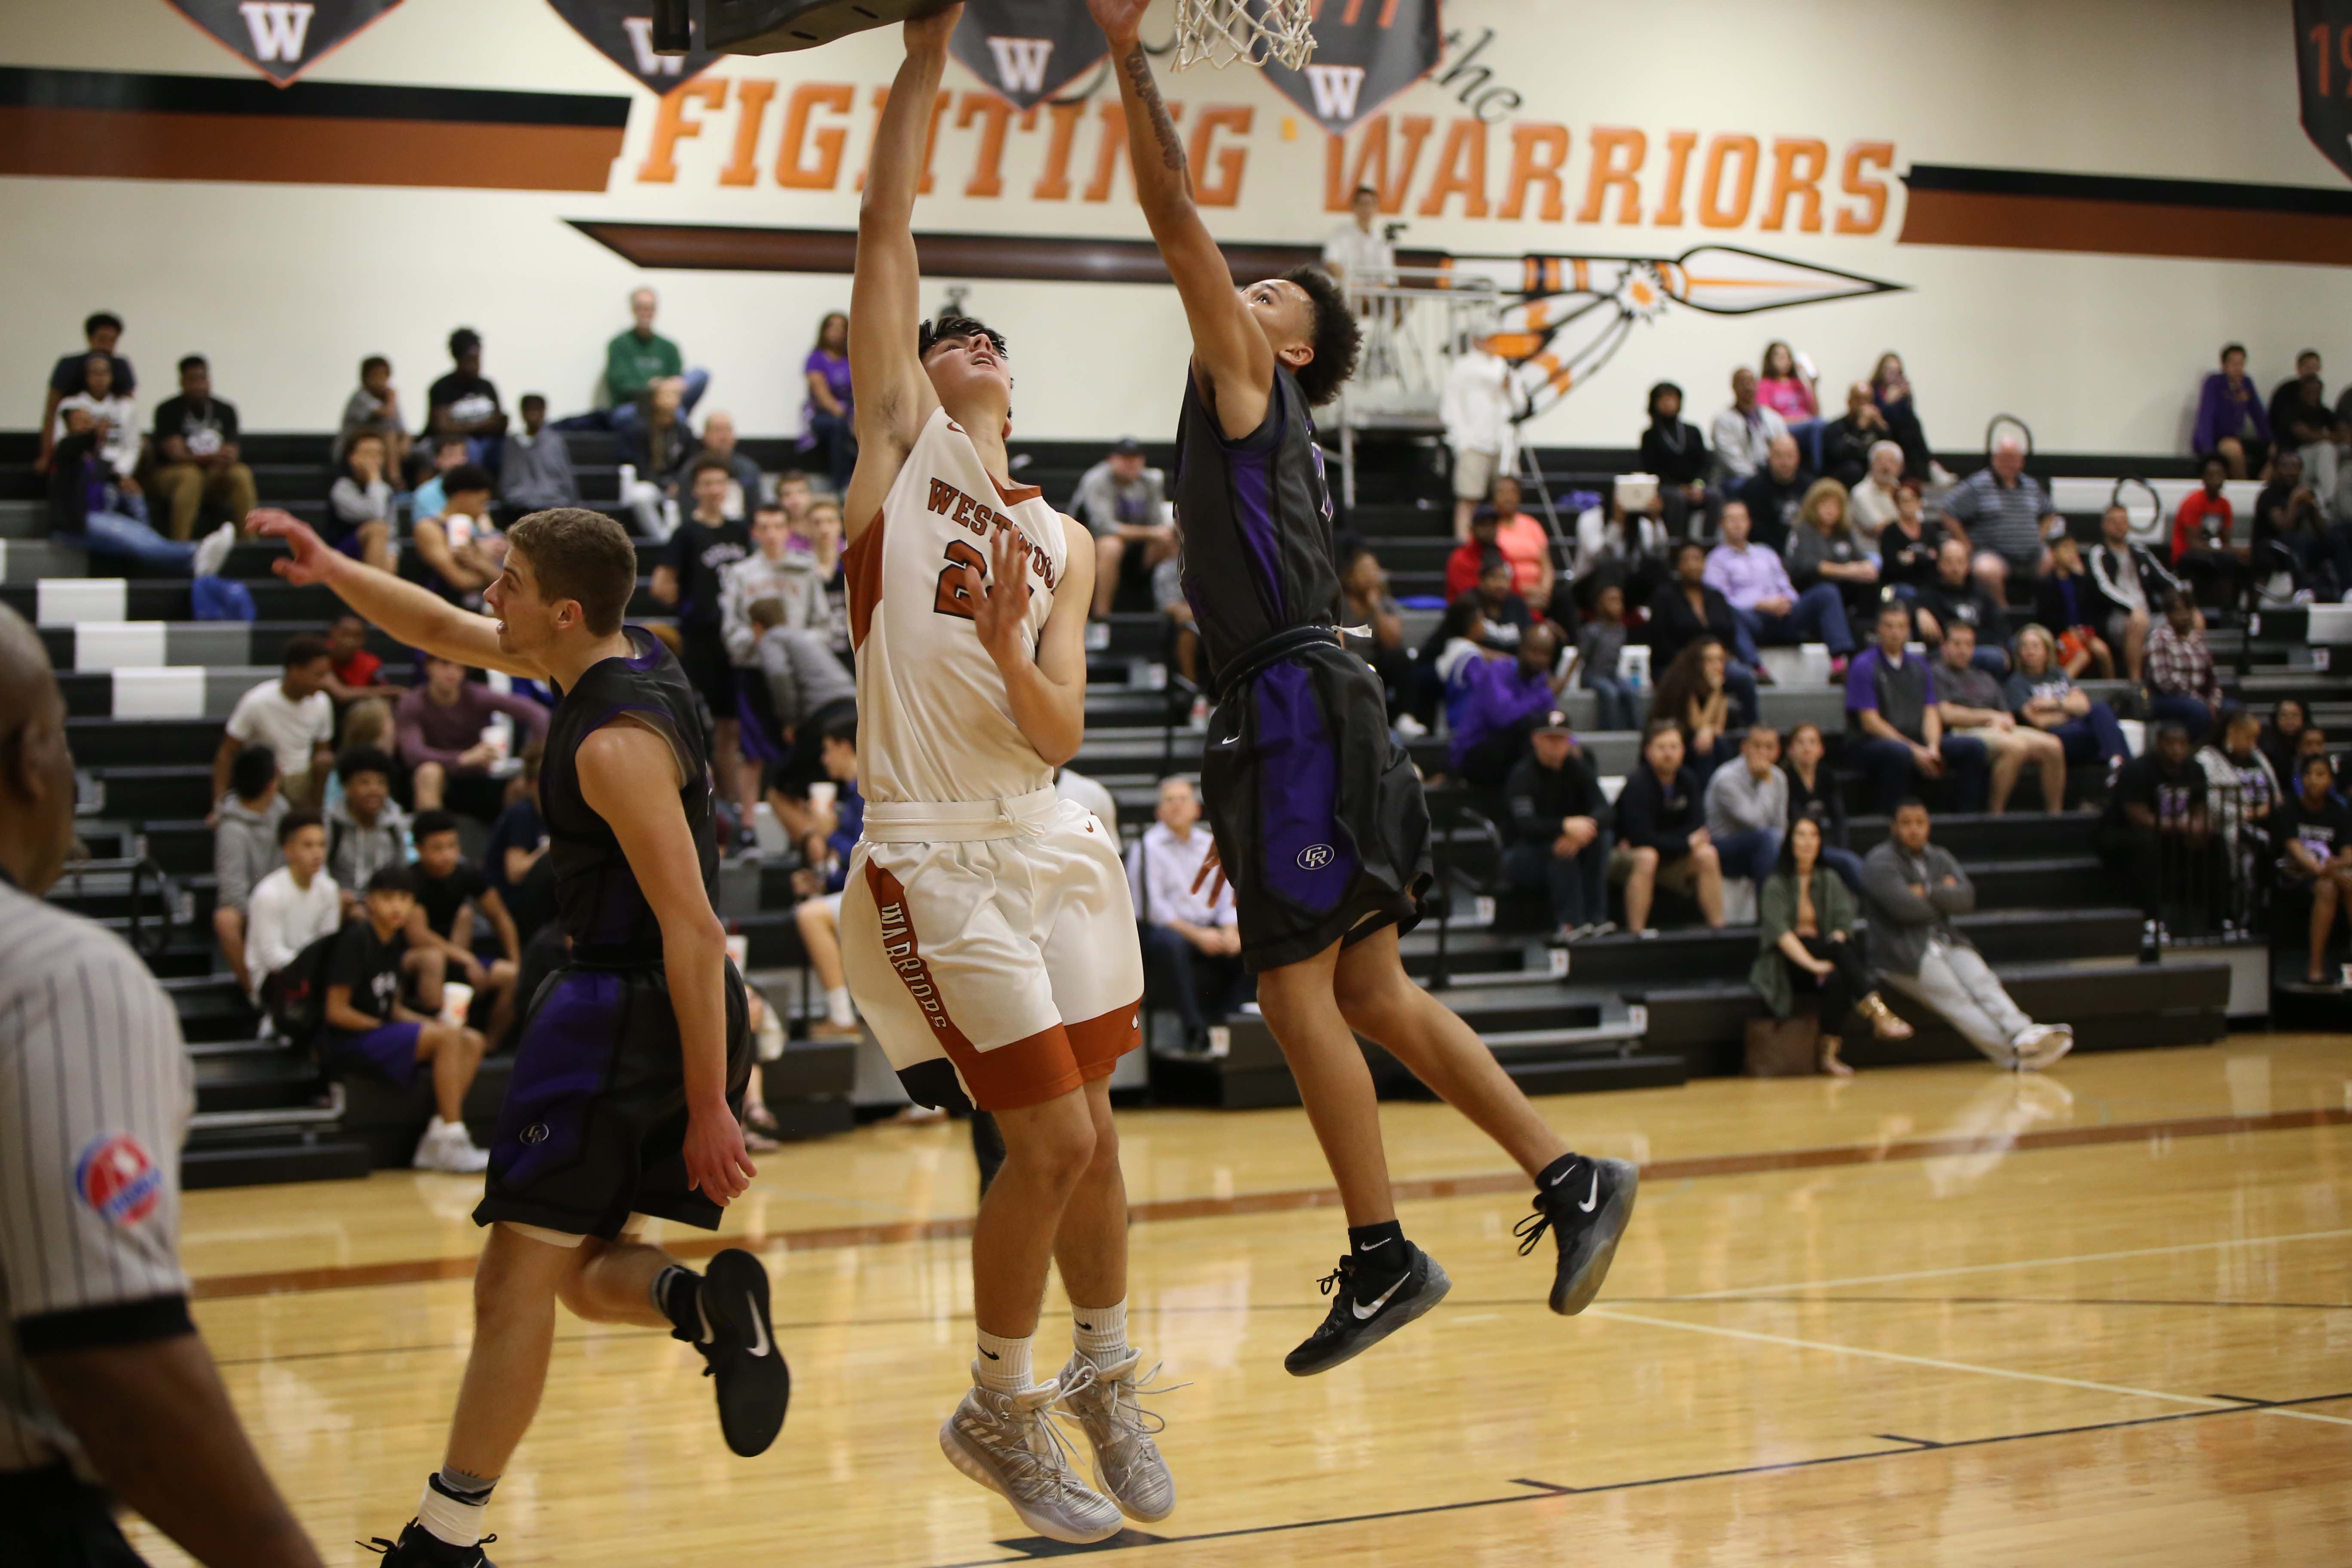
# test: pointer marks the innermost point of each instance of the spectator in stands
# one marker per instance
(1912, 891)
(1475, 406)
(774, 569)
(1972, 706)
(1825, 550)
(514, 861)
(1878, 493)
(690, 577)
(1693, 692)
(1748, 807)
(1124, 505)
(1890, 388)
(1850, 446)
(1558, 836)
(830, 837)
(2280, 739)
(1806, 943)
(441, 725)
(828, 420)
(89, 510)
(1358, 249)
(1365, 601)
(454, 902)
(2180, 681)
(2203, 553)
(464, 402)
(1608, 540)
(462, 552)
(2132, 583)
(370, 1029)
(1896, 732)
(1505, 701)
(1744, 433)
(2158, 828)
(1662, 837)
(1774, 494)
(2313, 831)
(1958, 598)
(245, 849)
(744, 485)
(294, 717)
(112, 412)
(2300, 421)
(367, 831)
(375, 405)
(2232, 423)
(822, 533)
(1467, 561)
(2043, 695)
(101, 333)
(1506, 614)
(2069, 602)
(800, 503)
(360, 517)
(1600, 651)
(441, 456)
(1192, 948)
(1910, 546)
(2312, 743)
(1525, 543)
(656, 449)
(2292, 533)
(197, 460)
(2007, 516)
(2246, 794)
(351, 669)
(1788, 387)
(805, 683)
(1676, 451)
(641, 362)
(536, 471)
(294, 905)
(1814, 795)
(1691, 609)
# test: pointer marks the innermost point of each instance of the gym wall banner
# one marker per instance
(2323, 57)
(1364, 56)
(282, 39)
(1028, 50)
(623, 32)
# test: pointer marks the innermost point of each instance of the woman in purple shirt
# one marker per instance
(2231, 423)
(825, 418)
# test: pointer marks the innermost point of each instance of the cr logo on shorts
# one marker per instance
(534, 1133)
(1314, 857)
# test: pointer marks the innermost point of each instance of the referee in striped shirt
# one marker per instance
(106, 1390)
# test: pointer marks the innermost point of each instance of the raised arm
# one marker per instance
(409, 614)
(890, 397)
(1231, 357)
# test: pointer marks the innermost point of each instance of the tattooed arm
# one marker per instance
(1231, 361)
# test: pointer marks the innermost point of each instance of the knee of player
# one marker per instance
(1059, 1149)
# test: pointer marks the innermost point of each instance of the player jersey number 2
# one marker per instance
(953, 598)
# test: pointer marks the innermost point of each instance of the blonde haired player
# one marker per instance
(986, 931)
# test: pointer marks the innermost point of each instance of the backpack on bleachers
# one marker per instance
(220, 599)
(296, 997)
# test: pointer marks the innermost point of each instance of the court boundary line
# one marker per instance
(422, 1271)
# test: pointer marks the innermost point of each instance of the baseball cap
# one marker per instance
(1127, 446)
(1555, 723)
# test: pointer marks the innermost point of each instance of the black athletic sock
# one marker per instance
(1380, 1252)
(676, 1291)
(1557, 1173)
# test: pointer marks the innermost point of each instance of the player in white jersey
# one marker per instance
(986, 929)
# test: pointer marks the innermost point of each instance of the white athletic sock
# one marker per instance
(837, 1009)
(450, 1519)
(1100, 1331)
(1003, 1364)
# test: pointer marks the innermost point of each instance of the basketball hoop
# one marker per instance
(1254, 31)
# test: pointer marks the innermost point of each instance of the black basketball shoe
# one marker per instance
(1586, 1210)
(1364, 1311)
(420, 1548)
(739, 1342)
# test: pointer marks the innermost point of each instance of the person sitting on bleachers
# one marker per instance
(1850, 446)
(640, 362)
(292, 907)
(1192, 948)
(1506, 616)
(2203, 553)
(294, 717)
(366, 831)
(1559, 833)
(2312, 743)
(1755, 583)
(1695, 692)
(465, 402)
(1609, 540)
(1503, 703)
(1875, 493)
(2045, 698)
(437, 456)
(2300, 422)
(1911, 891)
(2314, 832)
(1774, 494)
(827, 837)
(2246, 794)
(2181, 683)
(2068, 601)
(360, 519)
(1743, 433)
(1688, 609)
(115, 413)
(102, 333)
(806, 691)
(1600, 651)
(659, 447)
(743, 480)
(1365, 601)
(535, 473)
(774, 569)
(2291, 534)
(1674, 450)
(354, 671)
(1814, 793)
(2231, 423)
(1748, 807)
(1894, 732)
(2009, 518)
(514, 860)
(1909, 545)
(1956, 596)
(821, 531)
(2133, 583)
(89, 510)
(1124, 504)
(245, 849)
(1525, 543)
(1467, 561)
(1662, 837)
(1973, 706)
(440, 730)
(455, 903)
(1824, 549)
(2158, 828)
(829, 416)
(370, 1029)
(1184, 632)
(196, 456)
(1806, 943)
(375, 405)
(462, 552)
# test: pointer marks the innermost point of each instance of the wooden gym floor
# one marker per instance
(1930, 1315)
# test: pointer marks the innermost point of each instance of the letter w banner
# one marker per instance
(282, 39)
(623, 32)
(1028, 50)
(2323, 55)
(1366, 52)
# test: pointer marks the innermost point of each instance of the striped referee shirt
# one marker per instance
(95, 1094)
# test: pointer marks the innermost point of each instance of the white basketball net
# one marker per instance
(1254, 31)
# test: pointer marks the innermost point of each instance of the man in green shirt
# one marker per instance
(636, 359)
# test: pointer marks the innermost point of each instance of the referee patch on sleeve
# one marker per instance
(114, 1175)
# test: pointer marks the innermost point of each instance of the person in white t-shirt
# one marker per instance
(293, 906)
(1475, 408)
(115, 414)
(1357, 251)
(294, 717)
